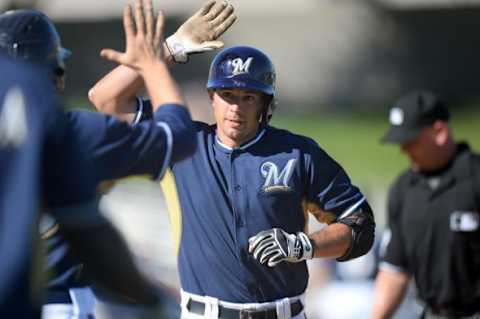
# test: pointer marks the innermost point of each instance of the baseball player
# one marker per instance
(241, 202)
(43, 164)
(142, 148)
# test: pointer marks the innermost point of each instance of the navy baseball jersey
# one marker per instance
(41, 164)
(219, 197)
(117, 150)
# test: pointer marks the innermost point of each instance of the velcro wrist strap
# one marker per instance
(307, 246)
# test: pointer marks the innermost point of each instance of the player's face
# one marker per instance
(237, 113)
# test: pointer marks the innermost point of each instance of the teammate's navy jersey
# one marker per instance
(147, 148)
(219, 197)
(39, 163)
(117, 150)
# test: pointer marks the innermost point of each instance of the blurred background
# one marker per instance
(340, 65)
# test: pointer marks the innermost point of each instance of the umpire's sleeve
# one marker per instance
(392, 247)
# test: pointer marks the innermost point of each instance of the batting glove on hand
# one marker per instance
(275, 245)
(199, 32)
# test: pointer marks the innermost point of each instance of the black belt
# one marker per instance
(198, 308)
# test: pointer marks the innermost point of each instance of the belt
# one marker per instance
(198, 307)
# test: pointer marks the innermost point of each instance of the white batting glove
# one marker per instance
(275, 245)
(199, 33)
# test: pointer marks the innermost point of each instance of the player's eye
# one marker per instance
(226, 94)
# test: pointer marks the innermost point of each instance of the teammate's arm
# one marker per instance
(115, 94)
(390, 288)
(110, 264)
(68, 183)
(144, 54)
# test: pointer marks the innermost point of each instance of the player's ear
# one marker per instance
(441, 132)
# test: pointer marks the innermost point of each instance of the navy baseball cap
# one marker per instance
(411, 113)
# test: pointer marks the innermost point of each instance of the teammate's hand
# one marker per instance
(275, 245)
(143, 38)
(199, 32)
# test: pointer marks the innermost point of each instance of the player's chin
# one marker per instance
(236, 134)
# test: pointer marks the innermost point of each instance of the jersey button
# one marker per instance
(238, 188)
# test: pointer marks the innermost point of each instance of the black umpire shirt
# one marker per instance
(434, 222)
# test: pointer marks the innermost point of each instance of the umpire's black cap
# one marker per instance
(411, 113)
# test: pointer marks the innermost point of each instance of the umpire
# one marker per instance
(433, 215)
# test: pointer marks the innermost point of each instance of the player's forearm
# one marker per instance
(390, 289)
(161, 86)
(332, 241)
(115, 93)
(109, 263)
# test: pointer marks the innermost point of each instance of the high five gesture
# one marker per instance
(144, 52)
(143, 38)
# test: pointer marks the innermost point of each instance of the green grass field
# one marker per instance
(353, 140)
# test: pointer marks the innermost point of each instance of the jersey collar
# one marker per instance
(245, 145)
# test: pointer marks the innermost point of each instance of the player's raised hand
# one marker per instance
(200, 32)
(144, 35)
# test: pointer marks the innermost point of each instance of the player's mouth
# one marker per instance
(235, 123)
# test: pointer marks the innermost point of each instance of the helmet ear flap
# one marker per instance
(267, 112)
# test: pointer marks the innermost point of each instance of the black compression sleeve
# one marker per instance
(362, 224)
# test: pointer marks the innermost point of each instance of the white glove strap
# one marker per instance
(177, 49)
(306, 245)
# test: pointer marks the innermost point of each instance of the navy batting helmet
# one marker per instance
(31, 35)
(244, 67)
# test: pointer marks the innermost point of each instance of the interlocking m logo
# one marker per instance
(240, 66)
(275, 181)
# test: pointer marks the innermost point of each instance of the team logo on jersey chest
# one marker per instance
(240, 66)
(277, 180)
